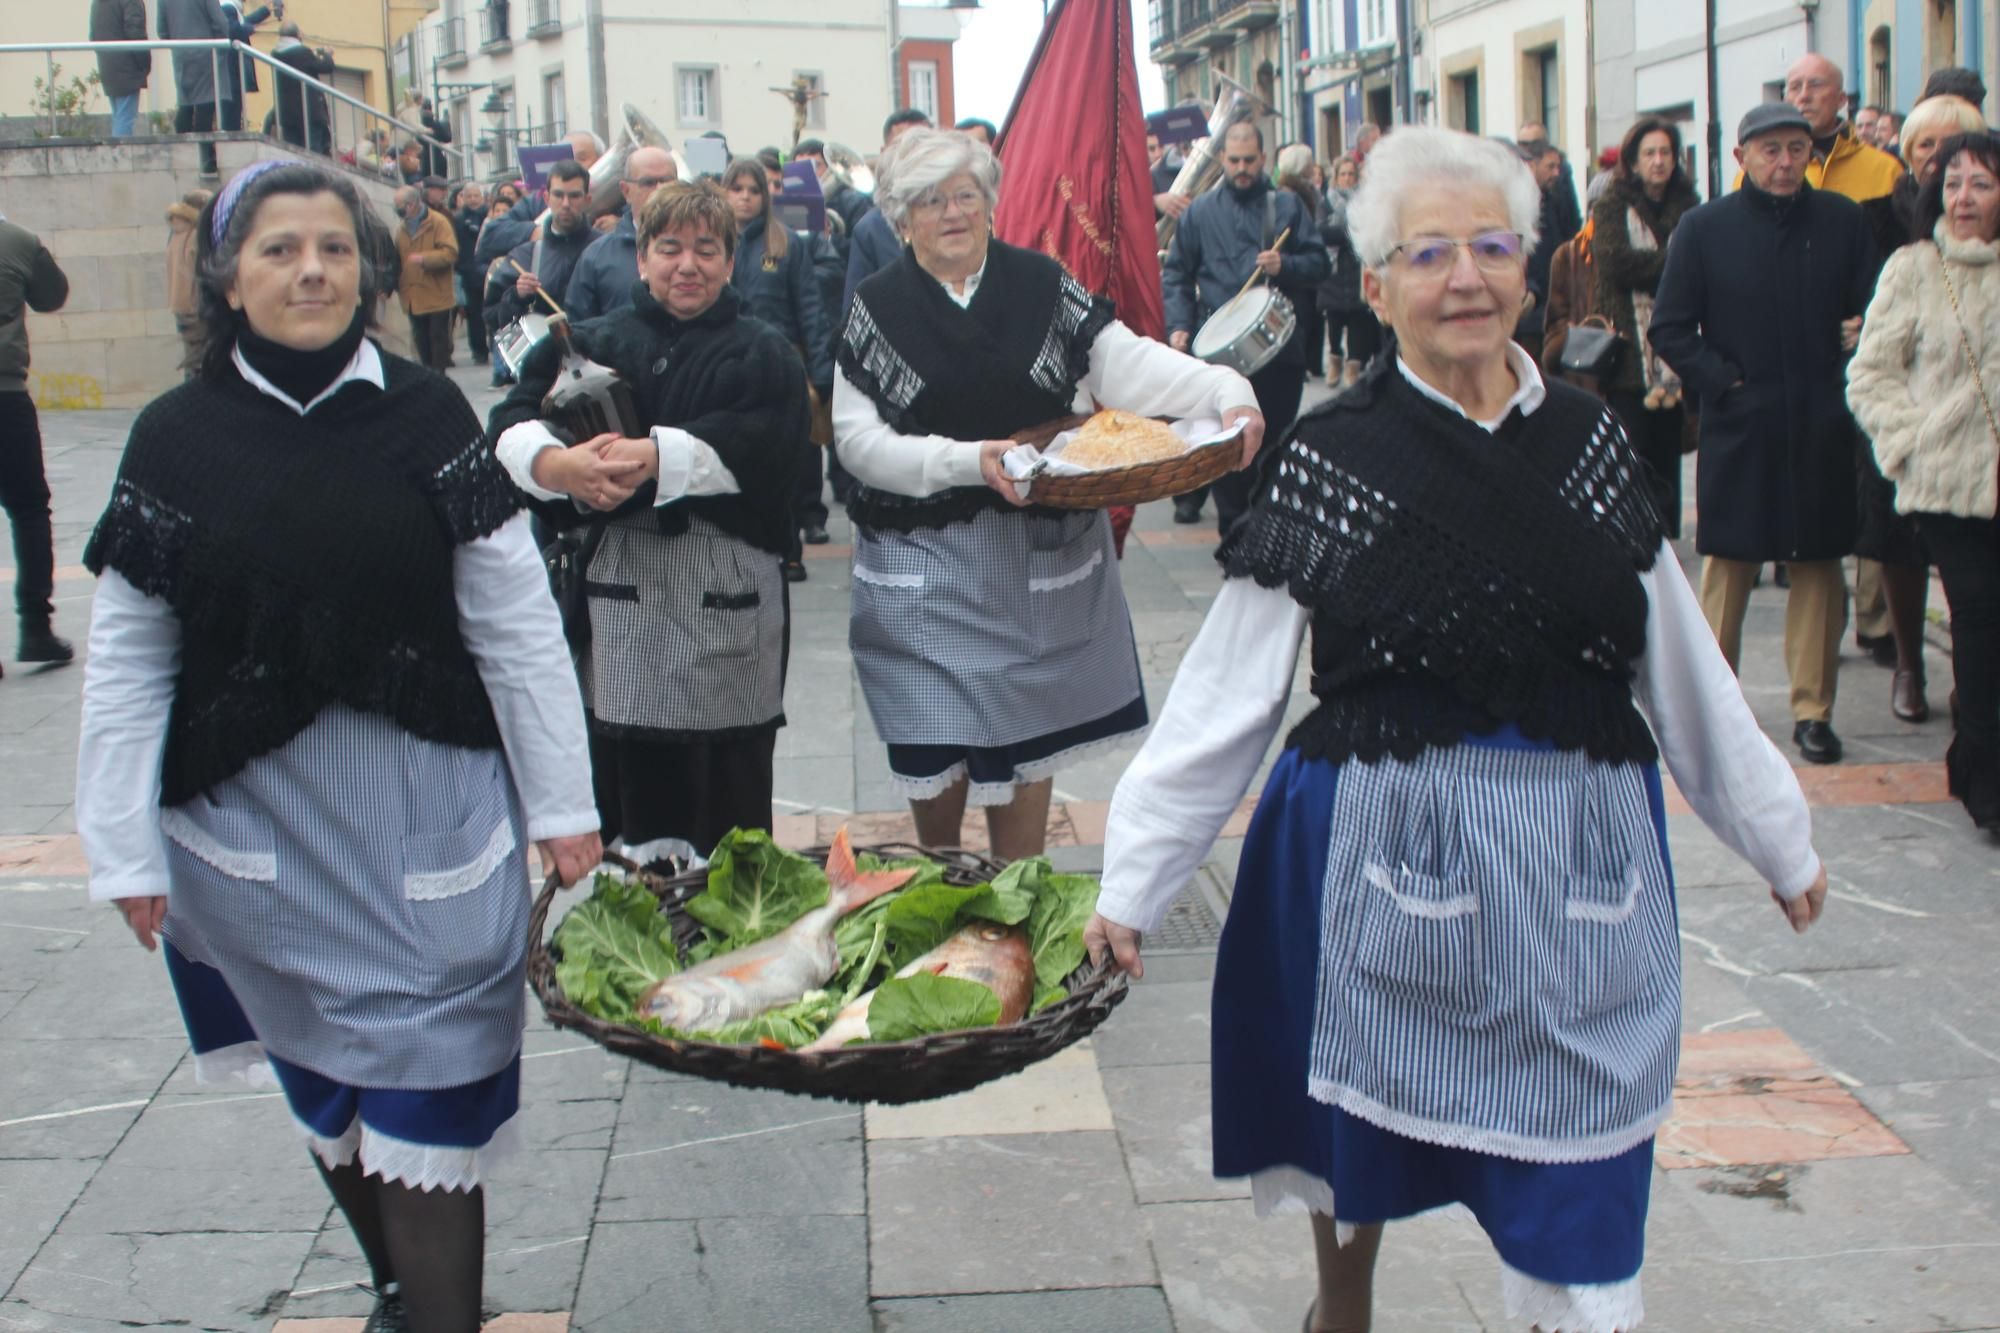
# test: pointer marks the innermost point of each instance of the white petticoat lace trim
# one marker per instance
(420, 1166)
(1279, 1190)
(1598, 1307)
(1493, 1142)
(1000, 793)
(242, 1063)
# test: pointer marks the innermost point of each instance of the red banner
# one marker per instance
(1075, 182)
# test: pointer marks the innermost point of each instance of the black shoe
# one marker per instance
(1817, 742)
(41, 645)
(1186, 513)
(387, 1317)
(479, 358)
(815, 535)
(795, 571)
(1781, 576)
(1881, 649)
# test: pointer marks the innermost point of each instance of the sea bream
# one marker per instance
(743, 983)
(997, 957)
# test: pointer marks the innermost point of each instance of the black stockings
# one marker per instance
(429, 1244)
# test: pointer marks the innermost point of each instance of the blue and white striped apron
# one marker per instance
(1499, 954)
(365, 895)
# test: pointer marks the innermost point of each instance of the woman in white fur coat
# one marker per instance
(1923, 384)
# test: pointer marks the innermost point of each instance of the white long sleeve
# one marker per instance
(1734, 779)
(688, 466)
(1225, 704)
(1125, 371)
(128, 688)
(511, 627)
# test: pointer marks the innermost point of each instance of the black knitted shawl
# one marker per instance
(1009, 360)
(1459, 580)
(308, 559)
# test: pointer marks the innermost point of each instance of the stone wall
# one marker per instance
(100, 207)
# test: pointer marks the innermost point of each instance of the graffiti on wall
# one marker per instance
(68, 393)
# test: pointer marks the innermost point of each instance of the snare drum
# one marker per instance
(513, 343)
(1248, 332)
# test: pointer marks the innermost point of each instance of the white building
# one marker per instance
(1489, 66)
(509, 72)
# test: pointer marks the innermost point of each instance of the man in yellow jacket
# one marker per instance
(427, 244)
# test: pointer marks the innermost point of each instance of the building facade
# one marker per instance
(1200, 43)
(1488, 68)
(513, 72)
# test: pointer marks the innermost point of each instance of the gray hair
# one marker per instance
(1416, 158)
(921, 160)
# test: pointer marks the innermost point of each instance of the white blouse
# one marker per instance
(1126, 371)
(505, 614)
(1229, 698)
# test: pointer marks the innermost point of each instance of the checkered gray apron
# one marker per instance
(365, 894)
(991, 632)
(687, 632)
(1500, 954)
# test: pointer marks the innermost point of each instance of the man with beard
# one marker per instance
(546, 261)
(1223, 237)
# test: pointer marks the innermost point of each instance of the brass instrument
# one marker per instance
(635, 130)
(1234, 104)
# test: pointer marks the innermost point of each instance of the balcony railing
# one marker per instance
(1162, 16)
(493, 25)
(1193, 14)
(544, 18)
(1245, 13)
(451, 42)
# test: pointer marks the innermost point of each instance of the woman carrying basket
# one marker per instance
(990, 635)
(326, 708)
(689, 625)
(1451, 972)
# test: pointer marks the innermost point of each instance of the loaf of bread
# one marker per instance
(1119, 439)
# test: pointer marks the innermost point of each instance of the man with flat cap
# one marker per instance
(1757, 310)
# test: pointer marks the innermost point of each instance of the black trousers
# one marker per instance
(24, 494)
(475, 312)
(838, 477)
(696, 790)
(198, 119)
(1656, 438)
(1312, 329)
(1279, 388)
(1359, 328)
(431, 335)
(1967, 554)
(809, 501)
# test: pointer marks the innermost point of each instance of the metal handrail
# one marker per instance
(217, 48)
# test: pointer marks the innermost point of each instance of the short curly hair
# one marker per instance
(678, 204)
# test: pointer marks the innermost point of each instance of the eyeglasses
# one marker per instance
(1433, 256)
(651, 182)
(567, 196)
(932, 204)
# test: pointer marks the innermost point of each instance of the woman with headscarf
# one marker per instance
(990, 634)
(1450, 972)
(327, 706)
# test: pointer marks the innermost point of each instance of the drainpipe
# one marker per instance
(600, 84)
(1714, 109)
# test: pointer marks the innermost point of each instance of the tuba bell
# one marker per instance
(1234, 104)
(635, 130)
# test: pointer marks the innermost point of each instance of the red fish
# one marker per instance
(995, 956)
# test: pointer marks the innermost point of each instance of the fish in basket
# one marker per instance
(887, 974)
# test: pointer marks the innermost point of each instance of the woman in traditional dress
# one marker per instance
(689, 624)
(1925, 385)
(1451, 972)
(327, 705)
(1632, 221)
(990, 634)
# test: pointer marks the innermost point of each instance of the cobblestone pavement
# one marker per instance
(1830, 1164)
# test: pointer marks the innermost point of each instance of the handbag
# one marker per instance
(1593, 348)
(567, 559)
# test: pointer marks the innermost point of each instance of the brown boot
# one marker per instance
(1353, 372)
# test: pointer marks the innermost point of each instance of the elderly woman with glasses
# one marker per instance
(1451, 972)
(990, 634)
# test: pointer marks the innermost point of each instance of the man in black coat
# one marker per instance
(1757, 310)
(1559, 222)
(305, 117)
(121, 74)
(1246, 226)
(546, 261)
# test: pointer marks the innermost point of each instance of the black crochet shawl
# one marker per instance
(1459, 580)
(1009, 360)
(733, 382)
(308, 560)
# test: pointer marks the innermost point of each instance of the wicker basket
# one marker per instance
(1127, 485)
(890, 1072)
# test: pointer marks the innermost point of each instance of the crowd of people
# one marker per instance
(330, 698)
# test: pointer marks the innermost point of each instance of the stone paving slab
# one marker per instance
(1106, 1310)
(799, 1272)
(1026, 1212)
(84, 1283)
(1167, 1130)
(1060, 1094)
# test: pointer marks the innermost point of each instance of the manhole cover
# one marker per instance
(1191, 925)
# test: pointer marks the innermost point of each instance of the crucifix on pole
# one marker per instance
(801, 94)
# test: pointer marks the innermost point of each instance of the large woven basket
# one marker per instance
(892, 1072)
(1127, 485)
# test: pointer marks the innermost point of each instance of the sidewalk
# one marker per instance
(1830, 1165)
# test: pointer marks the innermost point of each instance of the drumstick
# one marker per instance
(1256, 273)
(560, 312)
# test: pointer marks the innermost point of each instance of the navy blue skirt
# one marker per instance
(1567, 1224)
(924, 771)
